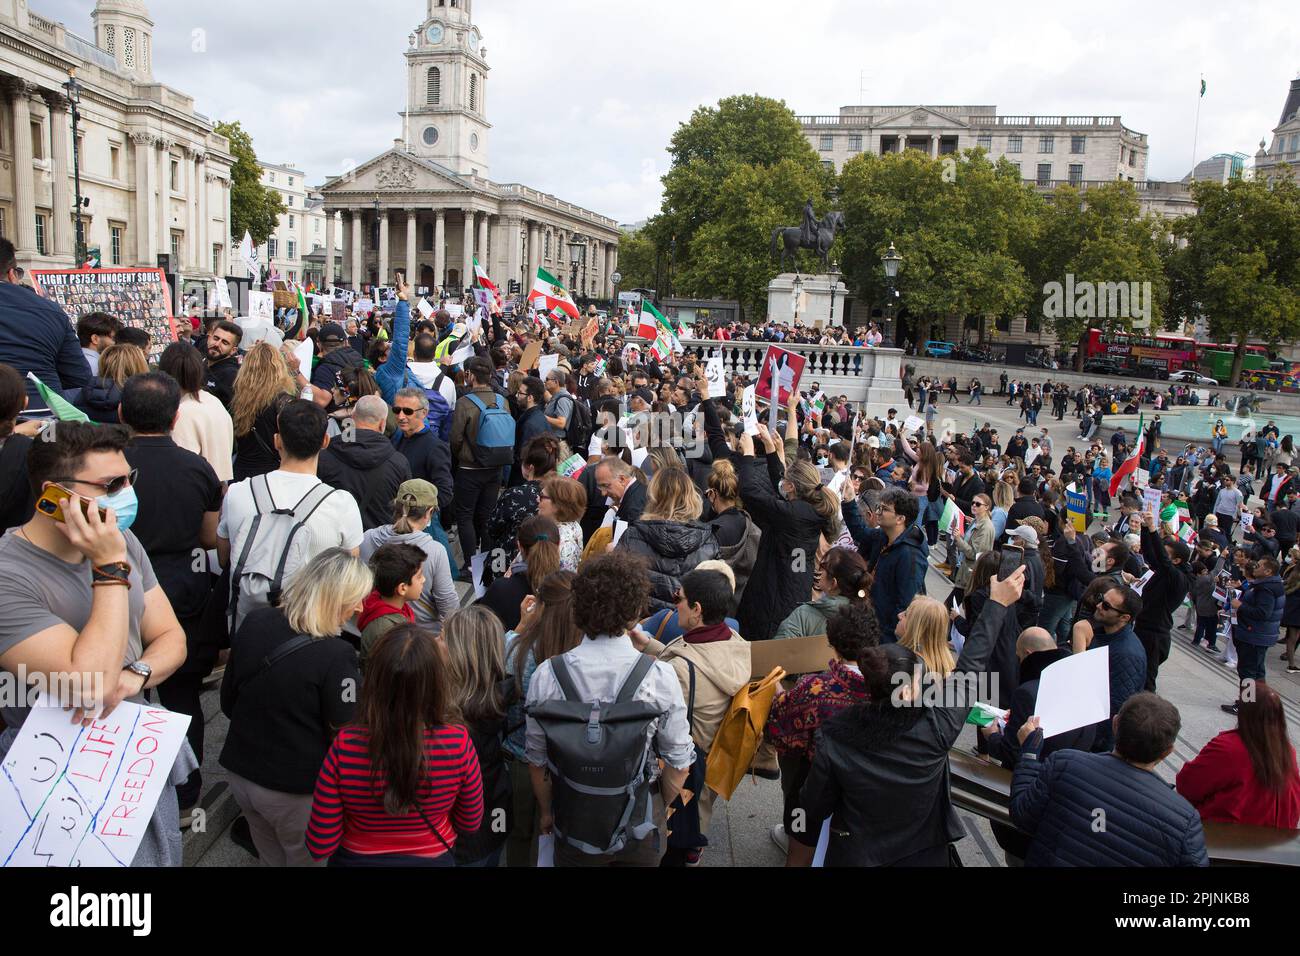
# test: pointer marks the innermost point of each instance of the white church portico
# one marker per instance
(427, 207)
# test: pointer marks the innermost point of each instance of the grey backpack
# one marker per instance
(601, 766)
(271, 548)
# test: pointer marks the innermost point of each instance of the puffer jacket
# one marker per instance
(809, 619)
(721, 669)
(99, 399)
(1056, 801)
(370, 469)
(672, 548)
(900, 576)
(1260, 615)
(1128, 675)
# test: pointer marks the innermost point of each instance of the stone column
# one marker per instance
(412, 250)
(383, 247)
(328, 279)
(24, 179)
(440, 249)
(203, 241)
(467, 251)
(345, 235)
(484, 247)
(144, 198)
(514, 266)
(355, 278)
(64, 227)
(195, 233)
(164, 243)
(229, 250)
(534, 253)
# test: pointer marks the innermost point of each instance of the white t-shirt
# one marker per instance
(335, 524)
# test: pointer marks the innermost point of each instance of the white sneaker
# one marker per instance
(780, 837)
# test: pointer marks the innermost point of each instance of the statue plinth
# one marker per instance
(815, 309)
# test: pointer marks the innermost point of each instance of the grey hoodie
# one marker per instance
(438, 601)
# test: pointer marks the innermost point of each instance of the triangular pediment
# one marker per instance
(920, 116)
(396, 171)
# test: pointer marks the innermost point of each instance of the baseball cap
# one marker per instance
(332, 332)
(873, 441)
(645, 395)
(1025, 534)
(419, 493)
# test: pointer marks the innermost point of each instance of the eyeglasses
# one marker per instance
(405, 412)
(1109, 606)
(110, 487)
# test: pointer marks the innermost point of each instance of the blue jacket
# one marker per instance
(1128, 675)
(1062, 803)
(900, 576)
(1260, 616)
(393, 375)
(36, 336)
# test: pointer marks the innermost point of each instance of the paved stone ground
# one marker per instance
(1195, 681)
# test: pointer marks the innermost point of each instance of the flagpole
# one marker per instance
(1196, 130)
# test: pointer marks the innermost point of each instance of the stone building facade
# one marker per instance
(1284, 151)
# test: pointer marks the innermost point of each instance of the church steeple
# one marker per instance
(447, 71)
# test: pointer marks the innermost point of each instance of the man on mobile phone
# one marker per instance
(79, 603)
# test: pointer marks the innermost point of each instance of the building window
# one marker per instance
(1123, 150)
(427, 238)
(110, 39)
(271, 248)
(176, 176)
(291, 222)
(1044, 174)
(855, 143)
(115, 245)
(293, 249)
(1046, 144)
(40, 234)
(270, 177)
(1077, 144)
(985, 142)
(290, 180)
(547, 245)
(216, 260)
(1132, 158)
(2, 222)
(827, 142)
(433, 86)
(128, 48)
(1033, 324)
(38, 141)
(1076, 173)
(176, 250)
(828, 165)
(473, 91)
(288, 200)
(1015, 144)
(1017, 165)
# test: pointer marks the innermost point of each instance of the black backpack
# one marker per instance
(577, 434)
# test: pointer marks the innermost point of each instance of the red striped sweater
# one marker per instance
(348, 808)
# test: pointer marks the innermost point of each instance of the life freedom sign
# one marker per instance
(84, 796)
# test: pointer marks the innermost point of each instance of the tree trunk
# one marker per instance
(1238, 360)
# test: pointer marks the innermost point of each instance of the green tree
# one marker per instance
(961, 224)
(254, 208)
(636, 261)
(1242, 261)
(1101, 238)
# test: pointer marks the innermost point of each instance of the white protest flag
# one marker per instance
(248, 254)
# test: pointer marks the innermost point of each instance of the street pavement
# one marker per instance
(1192, 679)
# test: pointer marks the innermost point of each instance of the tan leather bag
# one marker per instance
(740, 734)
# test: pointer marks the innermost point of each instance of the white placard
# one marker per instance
(222, 294)
(425, 309)
(476, 564)
(547, 364)
(749, 411)
(261, 306)
(1031, 456)
(363, 305)
(639, 455)
(716, 375)
(454, 310)
(1151, 501)
(305, 351)
(1247, 522)
(84, 796)
(1074, 692)
(1141, 583)
(461, 356)
(914, 424)
(620, 529)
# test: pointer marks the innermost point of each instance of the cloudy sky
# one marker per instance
(584, 96)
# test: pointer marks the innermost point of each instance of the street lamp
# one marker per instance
(73, 89)
(796, 289)
(834, 274)
(892, 261)
(577, 254)
(616, 278)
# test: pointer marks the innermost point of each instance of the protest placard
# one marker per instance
(137, 298)
(716, 375)
(261, 306)
(547, 364)
(531, 354)
(749, 411)
(788, 369)
(914, 423)
(84, 796)
(1074, 692)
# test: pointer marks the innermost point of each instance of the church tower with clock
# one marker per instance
(446, 63)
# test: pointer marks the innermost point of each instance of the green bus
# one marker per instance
(1216, 361)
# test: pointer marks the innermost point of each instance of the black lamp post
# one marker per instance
(892, 261)
(73, 89)
(834, 274)
(616, 278)
(577, 255)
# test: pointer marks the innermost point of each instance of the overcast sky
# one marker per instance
(584, 96)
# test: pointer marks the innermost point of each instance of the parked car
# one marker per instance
(973, 353)
(1189, 376)
(939, 349)
(1103, 366)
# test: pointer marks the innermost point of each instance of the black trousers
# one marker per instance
(794, 771)
(477, 490)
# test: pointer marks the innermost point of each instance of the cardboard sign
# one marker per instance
(914, 424)
(531, 354)
(137, 298)
(788, 368)
(84, 796)
(796, 655)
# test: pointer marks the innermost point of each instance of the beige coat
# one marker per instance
(978, 540)
(721, 669)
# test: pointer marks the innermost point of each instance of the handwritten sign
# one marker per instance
(749, 410)
(716, 375)
(84, 796)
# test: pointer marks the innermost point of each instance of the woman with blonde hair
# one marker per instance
(474, 639)
(923, 628)
(263, 387)
(103, 393)
(733, 527)
(1004, 496)
(289, 686)
(564, 500)
(669, 534)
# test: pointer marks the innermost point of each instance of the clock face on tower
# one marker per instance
(473, 141)
(473, 41)
(435, 33)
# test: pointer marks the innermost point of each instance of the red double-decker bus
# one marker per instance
(1136, 353)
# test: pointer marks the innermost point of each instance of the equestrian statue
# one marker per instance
(815, 234)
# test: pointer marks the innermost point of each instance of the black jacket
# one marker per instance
(329, 366)
(17, 503)
(671, 549)
(99, 399)
(220, 379)
(1072, 567)
(430, 459)
(370, 469)
(1025, 507)
(1163, 594)
(964, 490)
(881, 772)
(1005, 747)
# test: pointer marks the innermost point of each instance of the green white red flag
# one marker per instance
(483, 281)
(1128, 470)
(548, 294)
(953, 519)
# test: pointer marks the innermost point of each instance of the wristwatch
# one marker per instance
(140, 669)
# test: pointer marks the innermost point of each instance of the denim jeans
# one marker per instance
(1250, 660)
(1208, 628)
(1056, 616)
